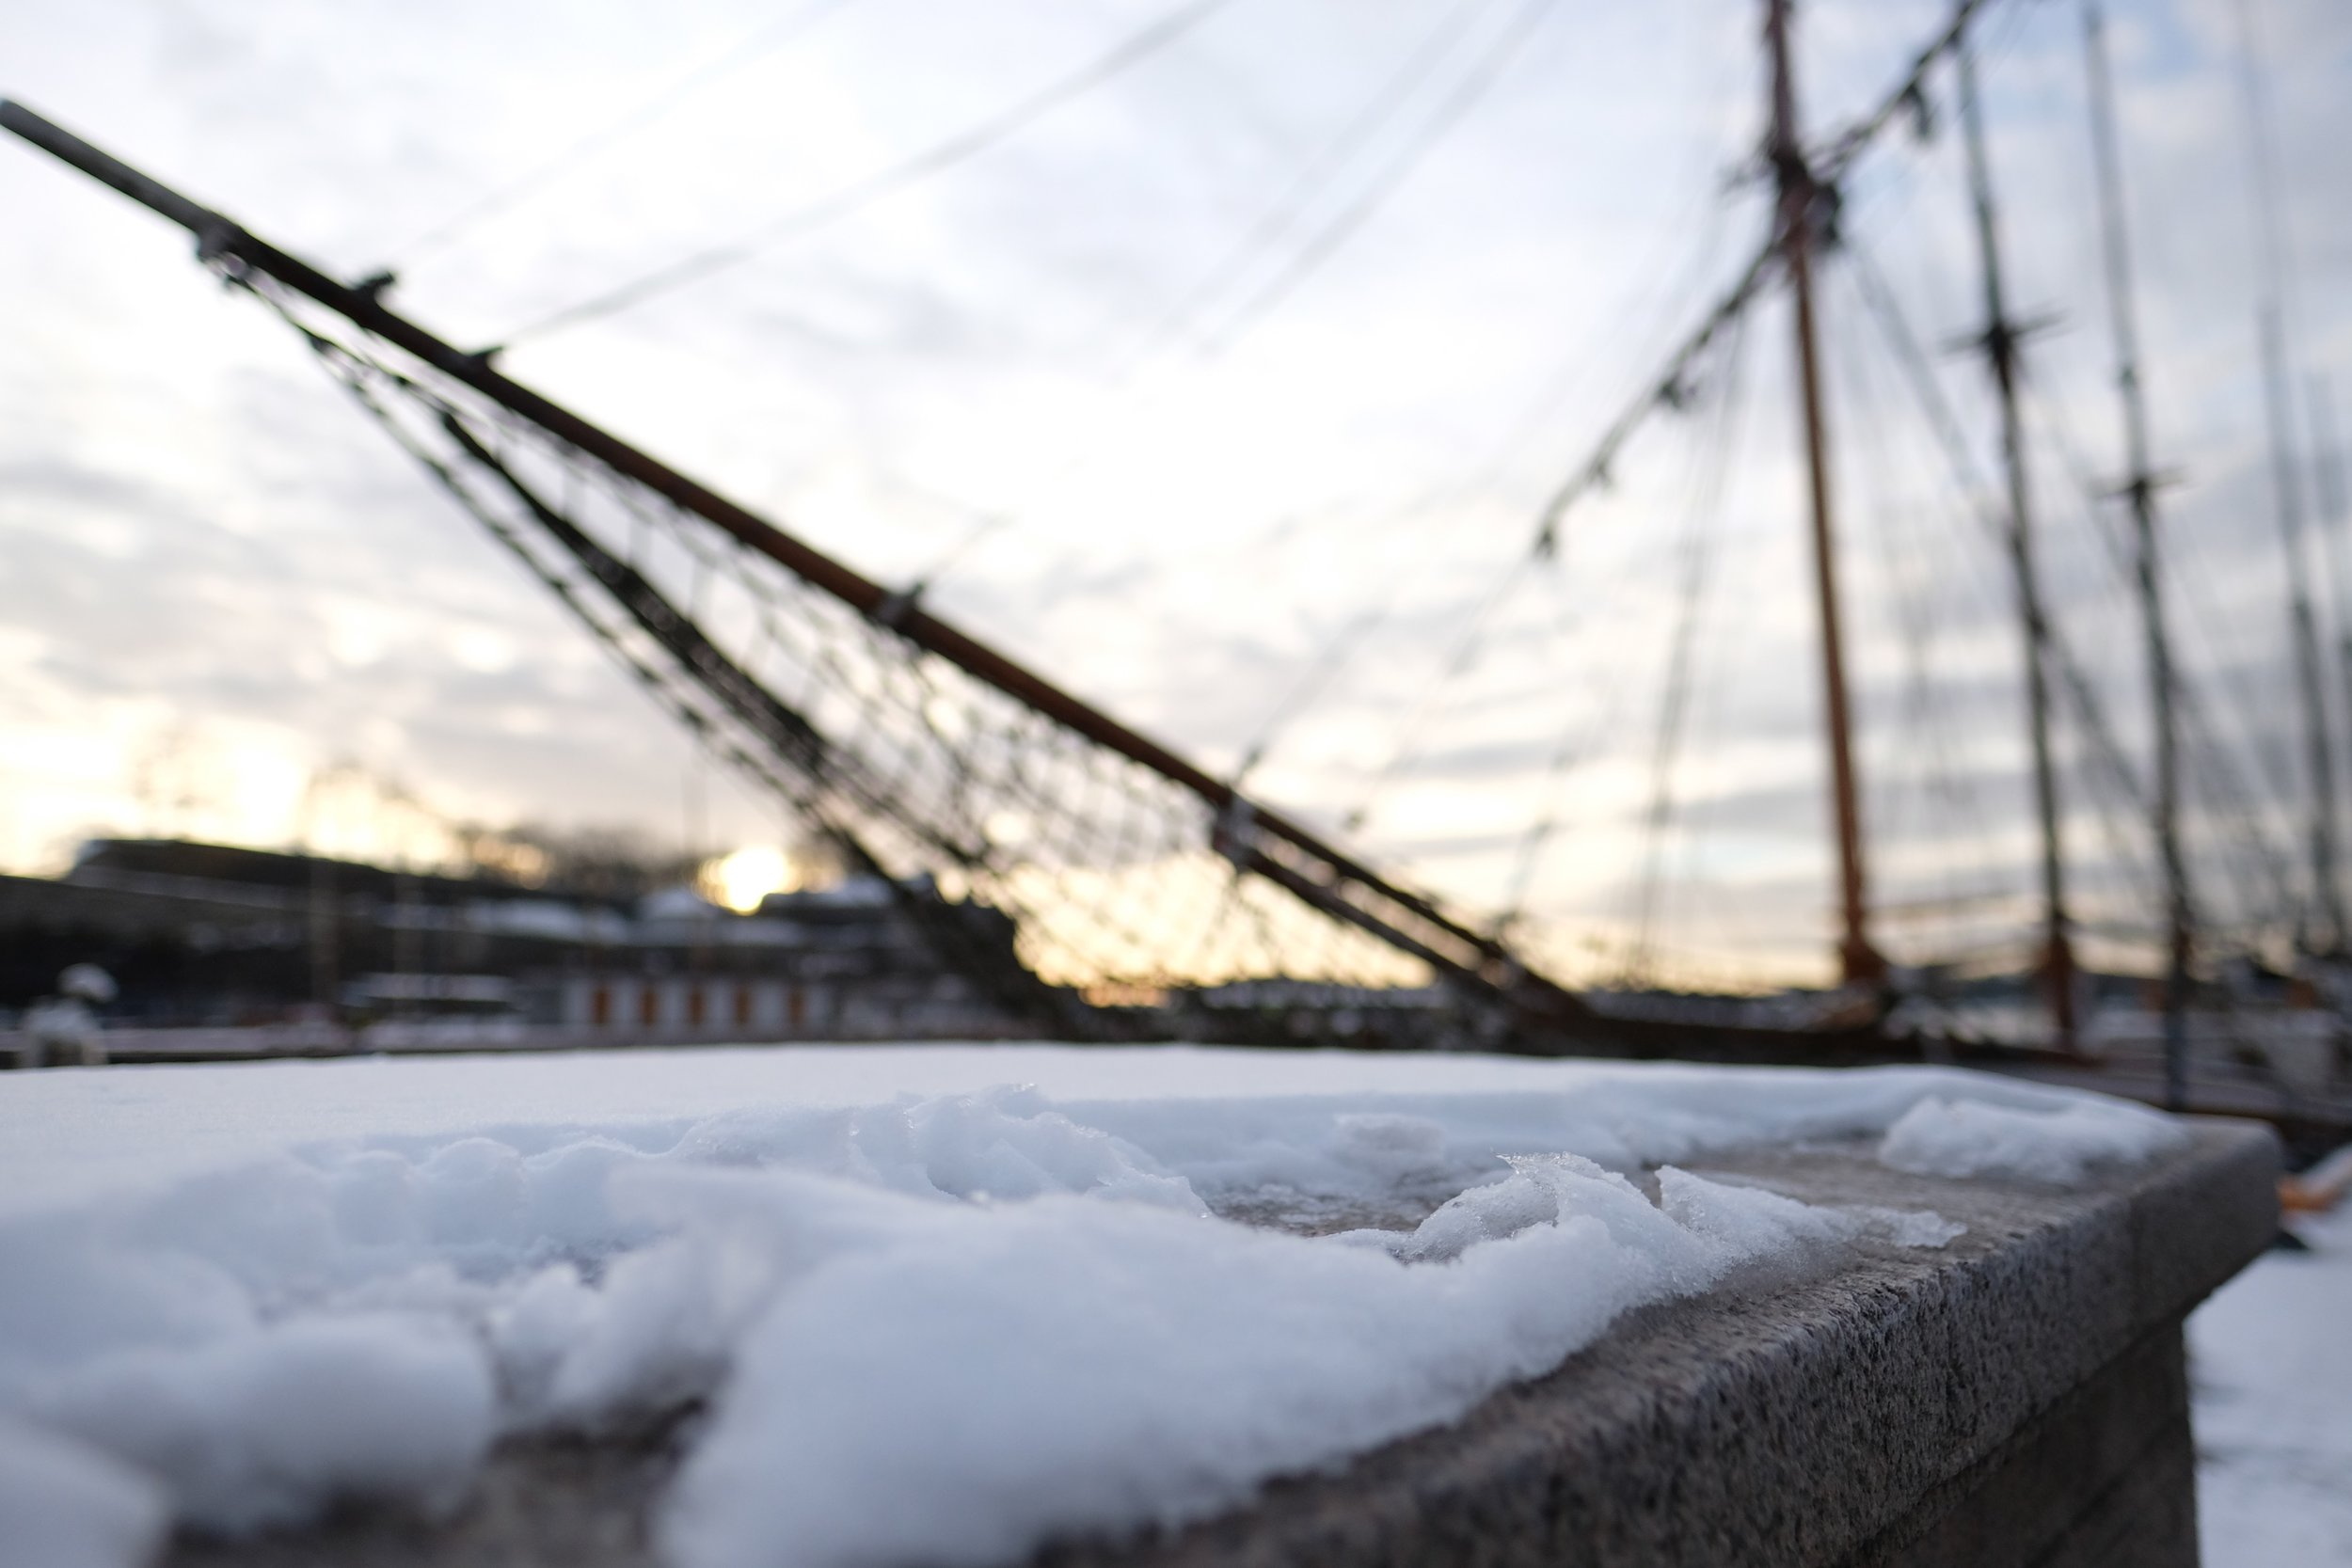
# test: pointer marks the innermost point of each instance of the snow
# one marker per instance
(2060, 1145)
(2270, 1369)
(64, 1505)
(934, 1316)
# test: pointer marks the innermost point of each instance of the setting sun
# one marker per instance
(740, 880)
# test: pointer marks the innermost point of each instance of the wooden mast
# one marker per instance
(1802, 204)
(2139, 486)
(1999, 342)
(2327, 934)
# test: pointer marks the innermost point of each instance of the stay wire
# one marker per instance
(1656, 286)
(1917, 620)
(1904, 344)
(854, 198)
(1412, 738)
(1312, 179)
(1450, 500)
(1471, 90)
(1667, 388)
(753, 46)
(2225, 788)
(1171, 328)
(1706, 513)
(1579, 739)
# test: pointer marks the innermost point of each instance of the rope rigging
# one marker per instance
(938, 158)
(1915, 574)
(972, 808)
(761, 42)
(978, 802)
(2226, 787)
(1697, 552)
(1184, 325)
(1309, 181)
(1666, 390)
(2074, 683)
(1320, 246)
(1920, 377)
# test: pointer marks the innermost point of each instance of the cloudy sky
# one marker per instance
(1273, 342)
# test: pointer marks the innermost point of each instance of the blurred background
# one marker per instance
(1220, 360)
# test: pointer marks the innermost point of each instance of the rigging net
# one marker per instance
(1062, 875)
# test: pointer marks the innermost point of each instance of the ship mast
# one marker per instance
(2286, 480)
(2304, 624)
(2139, 486)
(1803, 208)
(2328, 485)
(1999, 342)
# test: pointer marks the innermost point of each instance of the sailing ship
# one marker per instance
(1143, 884)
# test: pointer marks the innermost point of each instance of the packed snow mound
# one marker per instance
(944, 1324)
(2060, 1145)
(63, 1505)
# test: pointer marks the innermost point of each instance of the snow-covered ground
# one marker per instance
(942, 1302)
(2270, 1366)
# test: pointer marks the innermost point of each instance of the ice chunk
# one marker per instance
(1756, 1222)
(2060, 1145)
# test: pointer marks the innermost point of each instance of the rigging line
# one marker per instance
(1946, 782)
(1448, 500)
(1718, 694)
(1849, 144)
(2262, 153)
(1319, 247)
(1656, 287)
(1468, 93)
(2040, 401)
(755, 45)
(1909, 613)
(2226, 790)
(2105, 751)
(858, 195)
(2096, 501)
(1171, 328)
(1697, 576)
(1831, 166)
(1489, 476)
(1666, 389)
(1576, 741)
(2244, 700)
(1309, 181)
(1413, 740)
(1271, 223)
(2303, 637)
(1887, 314)
(1891, 322)
(1844, 151)
(351, 371)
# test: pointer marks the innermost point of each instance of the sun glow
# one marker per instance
(741, 879)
